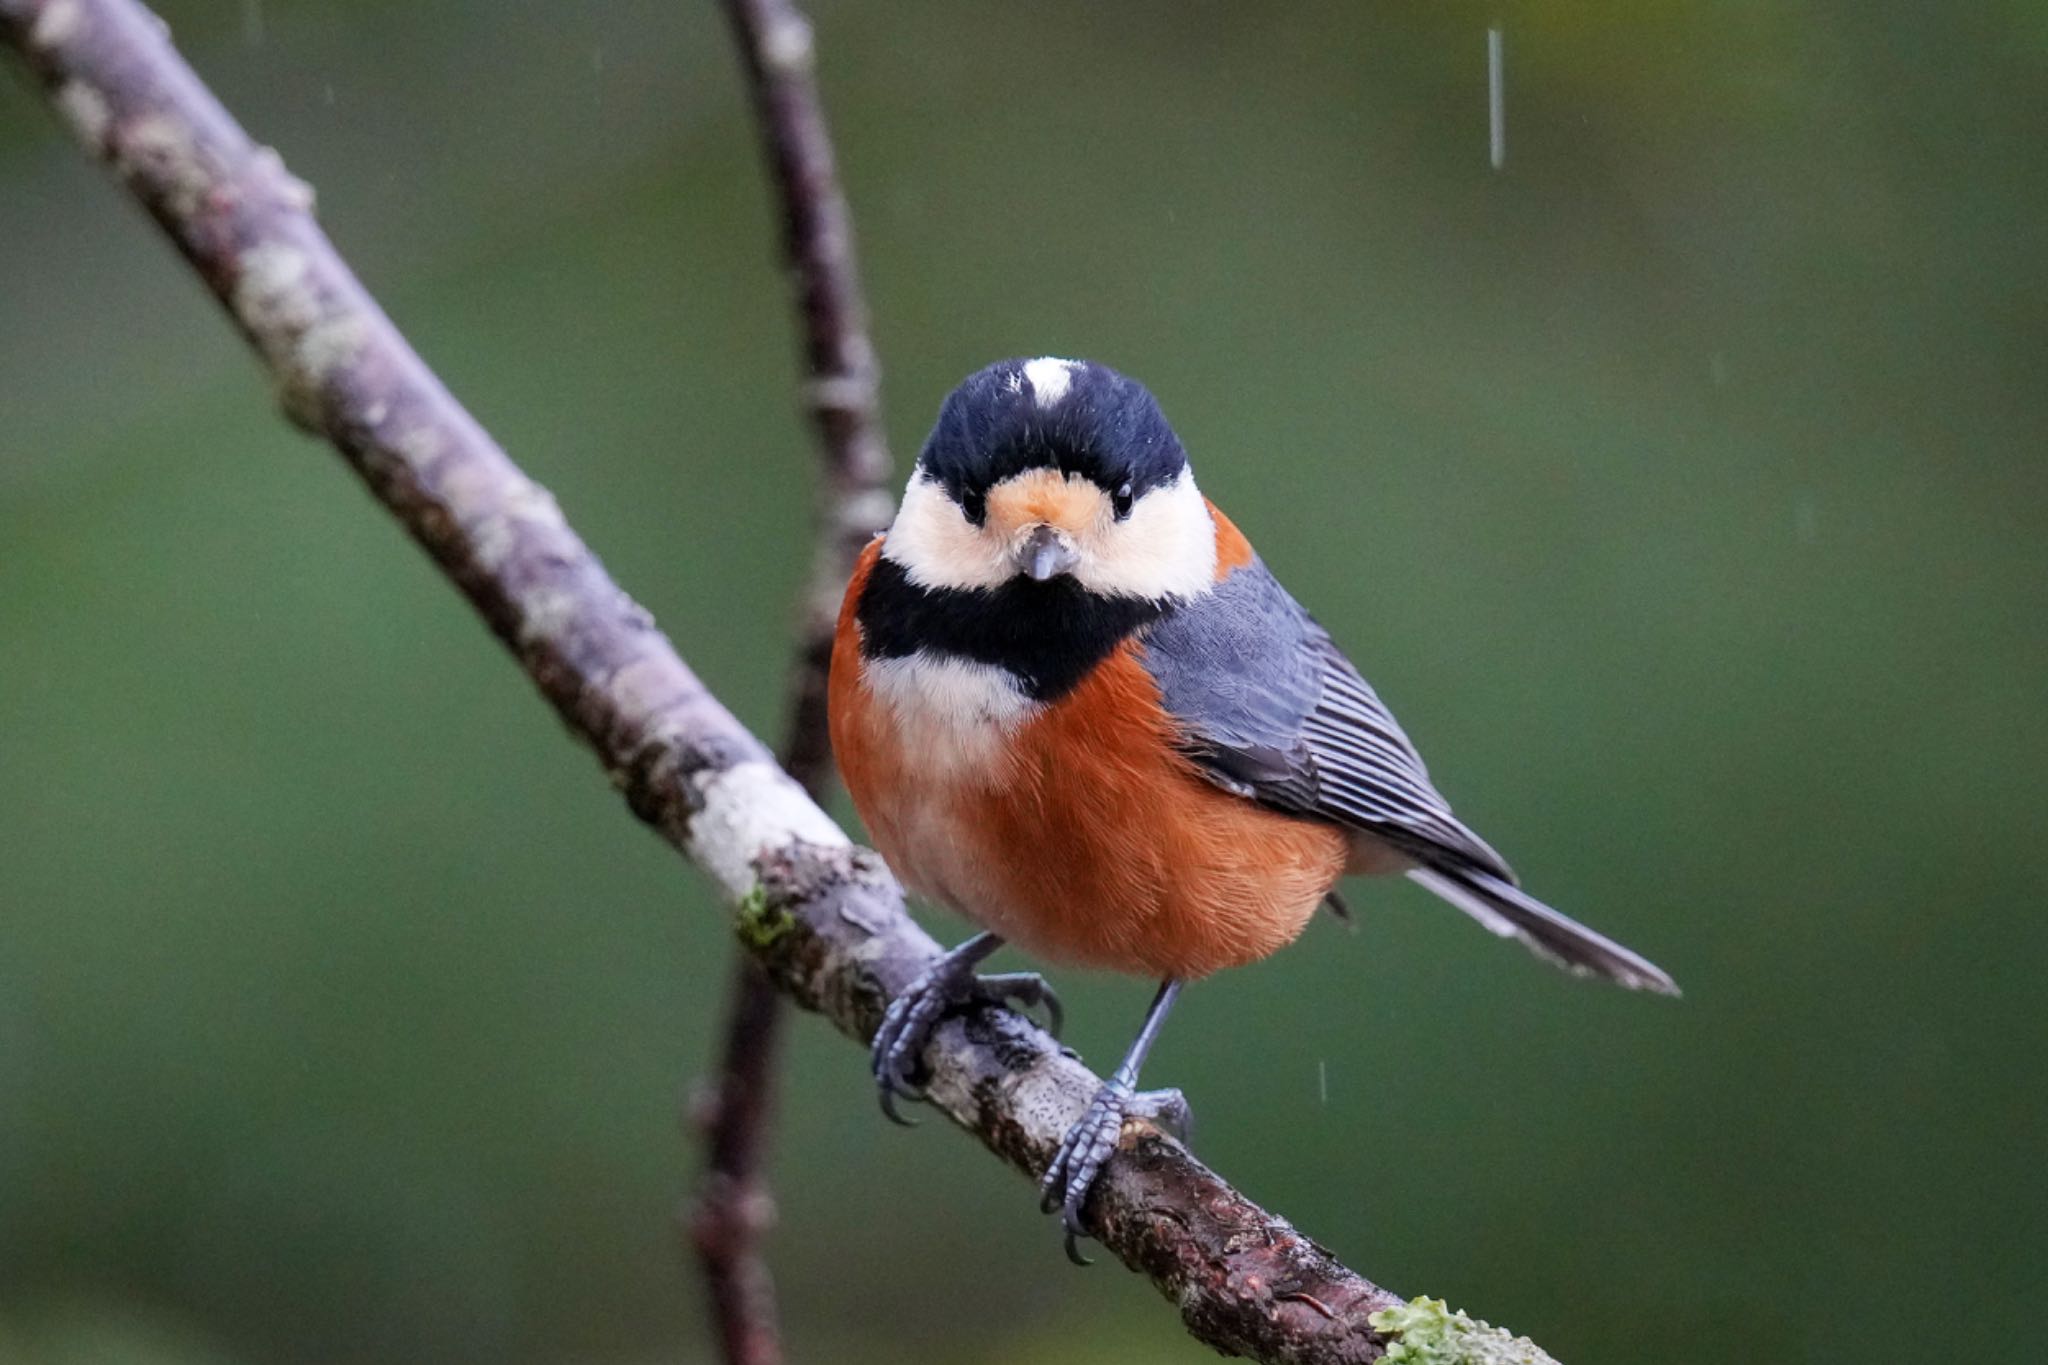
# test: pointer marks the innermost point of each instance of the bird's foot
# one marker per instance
(1087, 1146)
(898, 1050)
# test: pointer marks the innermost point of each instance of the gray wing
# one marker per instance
(1272, 710)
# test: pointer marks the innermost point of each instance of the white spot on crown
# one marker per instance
(1050, 378)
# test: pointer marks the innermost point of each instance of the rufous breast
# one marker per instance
(1074, 828)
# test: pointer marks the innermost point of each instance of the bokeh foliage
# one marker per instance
(1681, 485)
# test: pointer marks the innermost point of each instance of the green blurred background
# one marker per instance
(1681, 484)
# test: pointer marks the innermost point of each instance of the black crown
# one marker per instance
(1105, 427)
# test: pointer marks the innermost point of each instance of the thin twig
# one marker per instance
(841, 376)
(734, 1208)
(823, 917)
(735, 1112)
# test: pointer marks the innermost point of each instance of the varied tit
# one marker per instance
(1072, 706)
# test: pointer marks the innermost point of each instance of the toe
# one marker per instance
(1055, 1012)
(889, 1094)
(1081, 1182)
(1052, 1186)
(1166, 1110)
(1070, 1210)
(1024, 990)
(887, 1033)
(905, 1028)
(1083, 1153)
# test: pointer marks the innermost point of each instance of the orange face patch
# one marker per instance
(1044, 496)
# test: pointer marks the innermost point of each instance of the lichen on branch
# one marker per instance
(1426, 1332)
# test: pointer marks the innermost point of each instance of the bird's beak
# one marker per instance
(1047, 553)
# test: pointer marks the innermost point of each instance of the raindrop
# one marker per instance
(1496, 98)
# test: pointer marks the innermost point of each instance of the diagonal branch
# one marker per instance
(736, 1110)
(823, 917)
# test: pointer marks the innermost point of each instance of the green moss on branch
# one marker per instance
(1426, 1332)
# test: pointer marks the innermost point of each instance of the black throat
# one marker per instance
(1048, 634)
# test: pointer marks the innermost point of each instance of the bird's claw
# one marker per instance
(1022, 991)
(906, 1027)
(898, 1050)
(1086, 1149)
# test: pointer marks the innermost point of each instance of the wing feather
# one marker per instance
(1272, 710)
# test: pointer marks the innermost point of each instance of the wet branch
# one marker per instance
(824, 918)
(736, 1108)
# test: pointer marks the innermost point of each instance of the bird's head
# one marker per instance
(1043, 469)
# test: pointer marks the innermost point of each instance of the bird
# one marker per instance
(1074, 707)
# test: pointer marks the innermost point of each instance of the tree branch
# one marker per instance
(823, 917)
(734, 1110)
(734, 1207)
(841, 383)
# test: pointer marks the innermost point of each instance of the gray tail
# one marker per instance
(1511, 913)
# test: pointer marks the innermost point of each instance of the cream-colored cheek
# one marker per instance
(938, 547)
(1165, 548)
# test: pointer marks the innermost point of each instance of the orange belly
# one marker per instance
(1080, 834)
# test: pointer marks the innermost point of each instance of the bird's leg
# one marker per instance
(1087, 1145)
(911, 1017)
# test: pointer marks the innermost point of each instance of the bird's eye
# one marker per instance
(1120, 502)
(974, 502)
